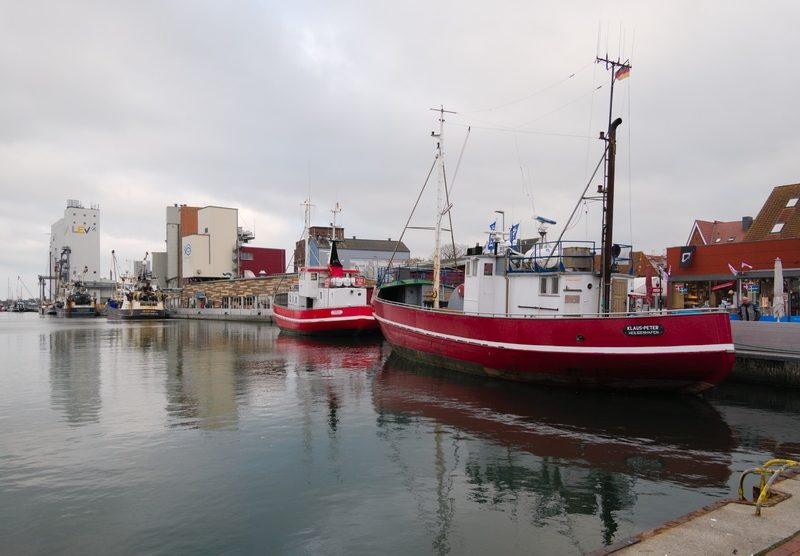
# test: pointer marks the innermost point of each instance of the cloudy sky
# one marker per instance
(138, 105)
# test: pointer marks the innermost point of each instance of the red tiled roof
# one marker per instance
(716, 232)
(774, 212)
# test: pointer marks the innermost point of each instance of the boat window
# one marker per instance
(313, 275)
(548, 285)
(466, 268)
(488, 269)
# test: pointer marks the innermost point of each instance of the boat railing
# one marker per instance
(449, 276)
(565, 255)
(558, 315)
(555, 256)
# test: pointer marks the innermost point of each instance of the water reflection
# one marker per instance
(569, 452)
(329, 373)
(765, 420)
(75, 373)
(208, 367)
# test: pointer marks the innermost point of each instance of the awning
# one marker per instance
(721, 286)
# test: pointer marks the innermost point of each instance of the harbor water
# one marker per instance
(195, 437)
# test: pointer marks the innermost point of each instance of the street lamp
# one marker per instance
(503, 223)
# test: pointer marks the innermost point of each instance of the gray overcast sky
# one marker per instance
(142, 104)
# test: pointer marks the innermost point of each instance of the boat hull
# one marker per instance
(330, 321)
(686, 352)
(135, 314)
(80, 311)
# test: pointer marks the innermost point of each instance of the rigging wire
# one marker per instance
(527, 97)
(557, 109)
(416, 204)
(517, 130)
(458, 163)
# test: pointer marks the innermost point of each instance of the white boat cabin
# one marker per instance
(552, 279)
(327, 287)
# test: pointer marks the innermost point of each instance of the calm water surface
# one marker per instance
(188, 437)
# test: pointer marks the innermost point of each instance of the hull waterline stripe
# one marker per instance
(619, 350)
(324, 319)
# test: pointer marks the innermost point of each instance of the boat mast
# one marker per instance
(608, 191)
(306, 233)
(335, 210)
(440, 193)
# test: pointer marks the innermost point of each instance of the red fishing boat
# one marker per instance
(328, 300)
(556, 313)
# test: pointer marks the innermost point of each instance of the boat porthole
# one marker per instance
(579, 337)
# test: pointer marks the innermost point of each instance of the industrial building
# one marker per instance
(205, 244)
(74, 253)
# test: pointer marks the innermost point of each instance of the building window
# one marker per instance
(792, 202)
(776, 229)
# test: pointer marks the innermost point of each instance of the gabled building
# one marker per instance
(724, 261)
(705, 232)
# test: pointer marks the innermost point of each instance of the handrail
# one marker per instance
(767, 469)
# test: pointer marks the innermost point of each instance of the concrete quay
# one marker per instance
(767, 353)
(727, 527)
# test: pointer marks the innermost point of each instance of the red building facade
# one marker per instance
(713, 275)
(258, 260)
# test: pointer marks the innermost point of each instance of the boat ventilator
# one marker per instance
(769, 472)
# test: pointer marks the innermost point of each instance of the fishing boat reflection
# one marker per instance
(679, 439)
(543, 454)
(325, 354)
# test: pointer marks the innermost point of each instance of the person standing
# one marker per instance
(748, 311)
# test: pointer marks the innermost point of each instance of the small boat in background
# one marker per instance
(135, 297)
(75, 301)
(328, 300)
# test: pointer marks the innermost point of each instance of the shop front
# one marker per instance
(720, 275)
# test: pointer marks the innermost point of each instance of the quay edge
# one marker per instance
(729, 526)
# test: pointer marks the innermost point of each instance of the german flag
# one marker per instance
(622, 73)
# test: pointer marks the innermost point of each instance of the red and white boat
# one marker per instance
(550, 315)
(328, 300)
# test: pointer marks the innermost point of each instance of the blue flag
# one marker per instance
(512, 235)
(490, 243)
